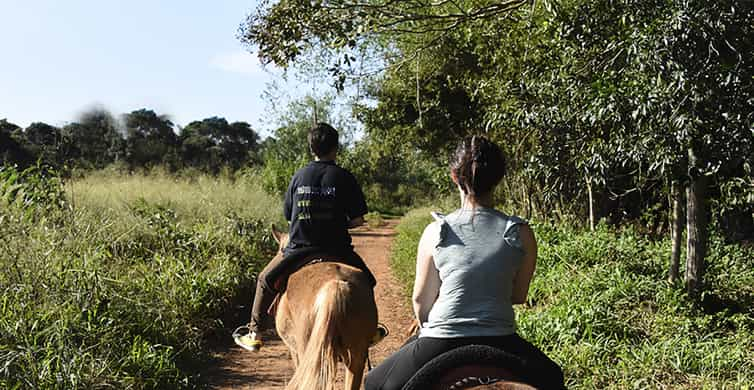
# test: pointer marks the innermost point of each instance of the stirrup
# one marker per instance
(242, 337)
(379, 335)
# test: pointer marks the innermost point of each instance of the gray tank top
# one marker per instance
(477, 256)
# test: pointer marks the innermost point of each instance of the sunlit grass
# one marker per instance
(124, 288)
(196, 198)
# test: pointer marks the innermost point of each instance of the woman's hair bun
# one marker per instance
(478, 165)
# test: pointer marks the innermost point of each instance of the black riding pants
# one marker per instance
(397, 369)
(280, 268)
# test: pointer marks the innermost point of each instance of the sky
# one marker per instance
(179, 58)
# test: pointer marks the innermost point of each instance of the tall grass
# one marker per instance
(196, 198)
(599, 305)
(124, 288)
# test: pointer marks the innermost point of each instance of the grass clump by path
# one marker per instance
(123, 286)
(600, 306)
(403, 257)
(374, 220)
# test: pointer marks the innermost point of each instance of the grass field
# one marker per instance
(124, 284)
(599, 305)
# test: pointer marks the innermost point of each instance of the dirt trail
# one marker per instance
(271, 368)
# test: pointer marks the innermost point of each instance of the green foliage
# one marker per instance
(142, 139)
(46, 143)
(95, 139)
(374, 219)
(213, 143)
(393, 176)
(12, 151)
(599, 306)
(36, 192)
(127, 291)
(403, 257)
(150, 139)
(284, 31)
(277, 174)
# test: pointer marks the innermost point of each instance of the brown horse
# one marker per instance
(326, 315)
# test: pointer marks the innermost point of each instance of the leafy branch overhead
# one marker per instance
(285, 30)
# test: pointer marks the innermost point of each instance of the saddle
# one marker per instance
(467, 367)
(281, 283)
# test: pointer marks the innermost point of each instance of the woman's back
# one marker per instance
(471, 267)
(477, 257)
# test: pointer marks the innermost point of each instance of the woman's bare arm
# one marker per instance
(427, 282)
(526, 271)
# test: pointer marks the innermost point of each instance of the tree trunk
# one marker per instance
(591, 203)
(530, 202)
(696, 226)
(676, 229)
(527, 200)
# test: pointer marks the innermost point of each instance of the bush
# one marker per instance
(394, 178)
(403, 257)
(128, 290)
(277, 174)
(374, 220)
(36, 192)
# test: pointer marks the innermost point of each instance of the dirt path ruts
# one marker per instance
(271, 368)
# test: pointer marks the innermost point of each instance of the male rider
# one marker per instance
(322, 202)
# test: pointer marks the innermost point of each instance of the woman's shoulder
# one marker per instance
(513, 227)
(508, 219)
(431, 235)
(435, 225)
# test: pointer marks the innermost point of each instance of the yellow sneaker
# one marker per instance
(247, 340)
(379, 335)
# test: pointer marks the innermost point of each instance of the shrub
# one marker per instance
(127, 291)
(36, 191)
(374, 219)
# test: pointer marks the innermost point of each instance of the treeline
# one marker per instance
(139, 139)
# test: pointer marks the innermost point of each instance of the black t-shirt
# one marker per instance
(320, 200)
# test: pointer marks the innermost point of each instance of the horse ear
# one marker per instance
(276, 233)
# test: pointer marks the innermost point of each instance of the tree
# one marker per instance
(622, 95)
(12, 150)
(96, 138)
(150, 139)
(241, 144)
(284, 30)
(288, 149)
(198, 149)
(687, 81)
(46, 143)
(213, 142)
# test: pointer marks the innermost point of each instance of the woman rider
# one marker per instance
(471, 267)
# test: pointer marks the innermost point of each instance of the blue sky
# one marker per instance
(180, 58)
